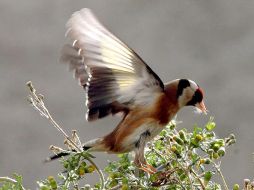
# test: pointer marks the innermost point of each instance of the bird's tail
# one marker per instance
(96, 145)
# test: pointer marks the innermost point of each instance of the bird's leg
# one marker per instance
(148, 168)
(140, 161)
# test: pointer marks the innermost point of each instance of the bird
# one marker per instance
(118, 82)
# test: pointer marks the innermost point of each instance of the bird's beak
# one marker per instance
(201, 107)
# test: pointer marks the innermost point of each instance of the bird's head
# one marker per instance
(188, 93)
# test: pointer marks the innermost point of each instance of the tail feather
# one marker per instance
(93, 145)
(96, 145)
(56, 156)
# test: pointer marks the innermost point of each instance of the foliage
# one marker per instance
(185, 160)
(11, 183)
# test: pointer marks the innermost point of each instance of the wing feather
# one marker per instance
(115, 78)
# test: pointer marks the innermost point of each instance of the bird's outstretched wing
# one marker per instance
(116, 79)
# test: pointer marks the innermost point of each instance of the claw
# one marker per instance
(148, 168)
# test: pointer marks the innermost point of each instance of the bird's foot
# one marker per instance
(148, 168)
(165, 177)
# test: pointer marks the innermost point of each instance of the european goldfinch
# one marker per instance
(117, 80)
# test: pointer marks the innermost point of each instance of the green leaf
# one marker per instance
(197, 130)
(210, 126)
(207, 177)
(52, 182)
(86, 154)
(158, 144)
(236, 187)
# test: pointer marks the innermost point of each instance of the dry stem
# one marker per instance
(37, 102)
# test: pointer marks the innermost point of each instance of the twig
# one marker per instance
(99, 172)
(116, 187)
(198, 178)
(38, 104)
(10, 180)
(186, 170)
(217, 167)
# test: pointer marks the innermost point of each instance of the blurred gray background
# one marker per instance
(211, 42)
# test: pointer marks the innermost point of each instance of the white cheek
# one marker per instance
(185, 97)
(180, 101)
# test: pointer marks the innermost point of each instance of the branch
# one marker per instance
(217, 167)
(36, 100)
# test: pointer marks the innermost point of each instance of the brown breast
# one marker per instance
(160, 112)
(165, 109)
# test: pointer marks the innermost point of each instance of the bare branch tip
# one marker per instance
(30, 86)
